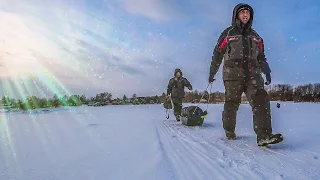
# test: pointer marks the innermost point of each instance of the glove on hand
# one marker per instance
(268, 78)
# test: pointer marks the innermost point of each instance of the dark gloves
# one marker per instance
(268, 78)
(211, 79)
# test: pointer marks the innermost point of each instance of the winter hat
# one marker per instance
(177, 70)
(244, 8)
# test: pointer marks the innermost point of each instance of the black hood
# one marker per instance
(236, 21)
(177, 70)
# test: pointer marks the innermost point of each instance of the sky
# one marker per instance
(125, 47)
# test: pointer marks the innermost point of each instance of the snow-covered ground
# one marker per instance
(138, 143)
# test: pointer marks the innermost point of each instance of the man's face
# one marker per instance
(244, 16)
(178, 74)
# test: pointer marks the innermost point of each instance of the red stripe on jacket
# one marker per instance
(261, 45)
(223, 44)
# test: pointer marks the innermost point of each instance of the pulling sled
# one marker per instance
(190, 115)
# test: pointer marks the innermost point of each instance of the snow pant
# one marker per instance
(253, 88)
(177, 106)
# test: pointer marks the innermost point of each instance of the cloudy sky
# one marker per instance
(133, 46)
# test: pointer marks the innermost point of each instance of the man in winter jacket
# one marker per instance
(242, 49)
(175, 88)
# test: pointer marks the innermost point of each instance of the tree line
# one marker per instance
(34, 102)
(302, 93)
(278, 92)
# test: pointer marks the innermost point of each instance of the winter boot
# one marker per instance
(271, 139)
(230, 135)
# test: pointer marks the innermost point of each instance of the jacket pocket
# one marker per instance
(235, 46)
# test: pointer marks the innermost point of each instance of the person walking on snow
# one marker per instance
(242, 49)
(175, 88)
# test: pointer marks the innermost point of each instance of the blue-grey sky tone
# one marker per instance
(126, 46)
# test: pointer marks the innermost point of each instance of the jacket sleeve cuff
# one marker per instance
(265, 68)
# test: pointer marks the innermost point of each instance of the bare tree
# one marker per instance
(281, 92)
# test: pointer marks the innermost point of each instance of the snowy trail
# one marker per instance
(194, 157)
(207, 155)
(137, 142)
(194, 160)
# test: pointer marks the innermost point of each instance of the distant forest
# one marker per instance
(279, 92)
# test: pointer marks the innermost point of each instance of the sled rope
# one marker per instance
(203, 96)
(209, 97)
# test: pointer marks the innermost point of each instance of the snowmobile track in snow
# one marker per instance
(202, 157)
(209, 156)
(164, 153)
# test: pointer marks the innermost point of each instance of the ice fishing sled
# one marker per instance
(192, 116)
